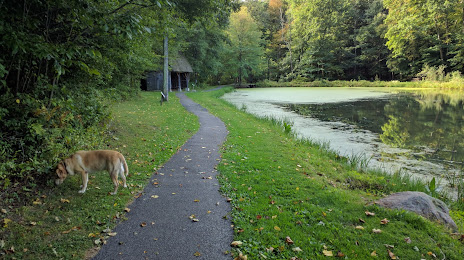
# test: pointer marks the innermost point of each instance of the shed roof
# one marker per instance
(180, 64)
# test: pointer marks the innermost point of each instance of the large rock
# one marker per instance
(420, 203)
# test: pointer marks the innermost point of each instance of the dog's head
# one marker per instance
(61, 172)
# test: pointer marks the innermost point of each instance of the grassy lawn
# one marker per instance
(63, 224)
(292, 199)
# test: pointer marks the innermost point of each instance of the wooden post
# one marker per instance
(187, 78)
(166, 70)
(179, 82)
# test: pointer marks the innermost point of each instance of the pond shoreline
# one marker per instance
(345, 139)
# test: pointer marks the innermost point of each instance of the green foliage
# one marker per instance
(63, 62)
(424, 33)
(243, 57)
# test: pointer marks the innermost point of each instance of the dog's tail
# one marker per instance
(124, 164)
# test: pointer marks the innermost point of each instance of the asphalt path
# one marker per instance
(181, 214)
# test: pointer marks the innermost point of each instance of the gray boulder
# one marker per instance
(420, 203)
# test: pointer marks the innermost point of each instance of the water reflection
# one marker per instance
(429, 124)
(418, 132)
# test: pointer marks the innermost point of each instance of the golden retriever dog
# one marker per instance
(85, 162)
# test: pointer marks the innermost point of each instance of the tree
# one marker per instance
(245, 53)
(62, 61)
(424, 32)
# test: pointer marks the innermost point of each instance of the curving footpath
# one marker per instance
(181, 214)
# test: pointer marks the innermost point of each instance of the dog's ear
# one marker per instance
(61, 171)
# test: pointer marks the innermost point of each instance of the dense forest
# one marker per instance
(63, 62)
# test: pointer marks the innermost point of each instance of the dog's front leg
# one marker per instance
(85, 180)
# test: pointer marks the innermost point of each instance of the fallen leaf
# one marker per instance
(289, 241)
(112, 234)
(362, 220)
(32, 223)
(377, 231)
(64, 200)
(340, 254)
(384, 221)
(277, 228)
(155, 196)
(258, 217)
(369, 213)
(297, 249)
(196, 200)
(127, 209)
(236, 243)
(407, 240)
(270, 249)
(197, 254)
(241, 257)
(392, 256)
(6, 221)
(73, 229)
(327, 253)
(374, 253)
(359, 227)
(143, 224)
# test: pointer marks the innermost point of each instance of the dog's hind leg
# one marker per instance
(85, 180)
(114, 178)
(123, 176)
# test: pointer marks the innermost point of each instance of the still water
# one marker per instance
(419, 132)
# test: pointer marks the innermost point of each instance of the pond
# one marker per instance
(419, 132)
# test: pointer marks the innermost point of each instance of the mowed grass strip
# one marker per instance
(63, 224)
(292, 199)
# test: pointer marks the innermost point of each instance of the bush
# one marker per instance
(42, 127)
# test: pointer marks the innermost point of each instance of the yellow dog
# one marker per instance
(85, 162)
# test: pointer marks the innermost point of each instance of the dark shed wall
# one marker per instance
(154, 81)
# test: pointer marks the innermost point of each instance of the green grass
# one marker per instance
(283, 187)
(63, 224)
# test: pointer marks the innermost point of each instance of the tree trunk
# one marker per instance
(166, 70)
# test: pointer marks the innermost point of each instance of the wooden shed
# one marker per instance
(178, 78)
